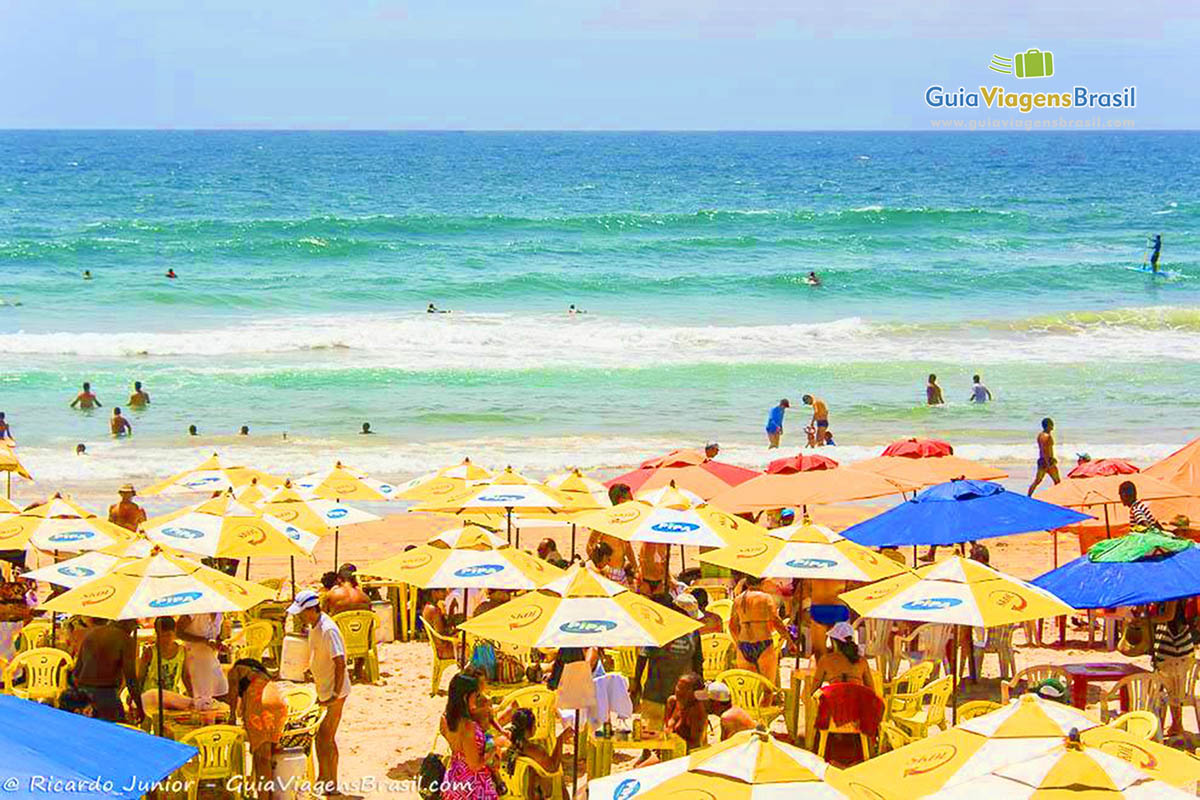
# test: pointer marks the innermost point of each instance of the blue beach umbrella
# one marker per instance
(1083, 583)
(960, 511)
(49, 753)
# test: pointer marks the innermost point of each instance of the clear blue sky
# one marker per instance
(568, 64)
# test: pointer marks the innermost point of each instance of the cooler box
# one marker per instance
(293, 658)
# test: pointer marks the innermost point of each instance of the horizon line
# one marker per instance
(931, 129)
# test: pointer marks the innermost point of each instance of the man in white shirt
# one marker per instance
(327, 663)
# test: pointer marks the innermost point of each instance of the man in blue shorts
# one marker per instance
(775, 423)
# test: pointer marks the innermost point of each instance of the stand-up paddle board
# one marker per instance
(1162, 273)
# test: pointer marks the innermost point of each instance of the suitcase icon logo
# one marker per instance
(1033, 63)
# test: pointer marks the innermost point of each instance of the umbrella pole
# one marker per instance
(572, 541)
(1107, 529)
(292, 564)
(954, 679)
(462, 645)
(8, 490)
(575, 757)
(336, 533)
(247, 567)
(158, 653)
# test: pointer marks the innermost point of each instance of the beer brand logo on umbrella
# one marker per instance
(524, 618)
(183, 533)
(76, 572)
(71, 536)
(98, 595)
(252, 534)
(503, 499)
(752, 550)
(11, 530)
(205, 481)
(812, 563)
(385, 488)
(674, 527)
(648, 612)
(416, 560)
(1131, 753)
(585, 626)
(866, 792)
(343, 487)
(928, 762)
(284, 514)
(1003, 598)
(479, 570)
(932, 604)
(336, 513)
(176, 599)
(627, 789)
(230, 587)
(623, 515)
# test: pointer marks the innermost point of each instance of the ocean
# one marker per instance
(306, 261)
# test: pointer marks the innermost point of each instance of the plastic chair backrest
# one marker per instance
(625, 661)
(895, 737)
(1142, 724)
(32, 635)
(1032, 676)
(723, 609)
(300, 699)
(543, 702)
(873, 633)
(939, 696)
(716, 649)
(526, 770)
(222, 752)
(913, 679)
(1145, 692)
(46, 670)
(975, 708)
(358, 632)
(747, 689)
(254, 638)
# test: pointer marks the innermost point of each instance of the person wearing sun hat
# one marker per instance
(327, 663)
(126, 513)
(842, 663)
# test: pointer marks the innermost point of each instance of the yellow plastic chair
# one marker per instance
(1146, 692)
(274, 584)
(754, 693)
(252, 640)
(907, 682)
(1030, 677)
(717, 649)
(847, 728)
(598, 755)
(892, 738)
(543, 702)
(1141, 724)
(525, 772)
(46, 670)
(996, 640)
(439, 663)
(915, 716)
(31, 636)
(973, 709)
(222, 757)
(926, 643)
(723, 609)
(358, 632)
(625, 661)
(300, 699)
(300, 731)
(874, 634)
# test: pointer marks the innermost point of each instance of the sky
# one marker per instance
(572, 64)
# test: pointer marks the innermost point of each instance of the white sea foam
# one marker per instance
(481, 341)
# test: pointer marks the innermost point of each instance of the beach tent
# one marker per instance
(687, 469)
(960, 511)
(45, 752)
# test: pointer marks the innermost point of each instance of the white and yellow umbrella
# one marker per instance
(313, 514)
(79, 570)
(212, 475)
(508, 492)
(477, 559)
(581, 491)
(581, 609)
(804, 550)
(694, 525)
(751, 765)
(223, 527)
(61, 525)
(345, 483)
(670, 496)
(9, 464)
(7, 507)
(447, 480)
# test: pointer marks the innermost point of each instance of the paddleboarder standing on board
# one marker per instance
(1155, 251)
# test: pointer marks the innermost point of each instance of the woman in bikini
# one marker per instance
(751, 622)
(469, 777)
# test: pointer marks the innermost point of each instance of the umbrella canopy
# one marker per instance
(159, 585)
(313, 514)
(1026, 728)
(695, 526)
(670, 496)
(1101, 467)
(10, 463)
(688, 469)
(508, 491)
(580, 491)
(1068, 770)
(59, 524)
(1091, 493)
(212, 475)
(800, 489)
(42, 748)
(804, 462)
(581, 609)
(804, 550)
(1181, 468)
(1089, 584)
(928, 469)
(446, 480)
(918, 448)
(223, 527)
(477, 559)
(7, 507)
(345, 483)
(82, 568)
(956, 591)
(751, 765)
(841, 517)
(960, 511)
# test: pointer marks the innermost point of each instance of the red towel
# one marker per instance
(849, 702)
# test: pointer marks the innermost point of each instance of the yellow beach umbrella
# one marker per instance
(1027, 728)
(477, 559)
(7, 507)
(508, 492)
(446, 480)
(751, 765)
(79, 570)
(221, 527)
(342, 483)
(9, 463)
(212, 475)
(695, 525)
(60, 524)
(313, 514)
(581, 609)
(581, 491)
(806, 551)
(670, 496)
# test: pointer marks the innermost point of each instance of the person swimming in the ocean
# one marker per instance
(171, 273)
(87, 274)
(572, 310)
(812, 279)
(432, 309)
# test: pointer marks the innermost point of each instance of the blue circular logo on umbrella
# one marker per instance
(501, 498)
(76, 572)
(479, 570)
(386, 489)
(627, 789)
(812, 563)
(183, 533)
(932, 604)
(336, 513)
(674, 527)
(177, 599)
(70, 536)
(203, 481)
(588, 626)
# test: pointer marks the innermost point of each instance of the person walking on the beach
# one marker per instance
(126, 513)
(140, 397)
(5, 431)
(775, 423)
(119, 425)
(979, 392)
(820, 417)
(1047, 464)
(86, 400)
(933, 392)
(327, 662)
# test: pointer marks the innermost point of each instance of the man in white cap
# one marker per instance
(734, 719)
(327, 663)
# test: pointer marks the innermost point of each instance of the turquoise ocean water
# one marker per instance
(306, 261)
